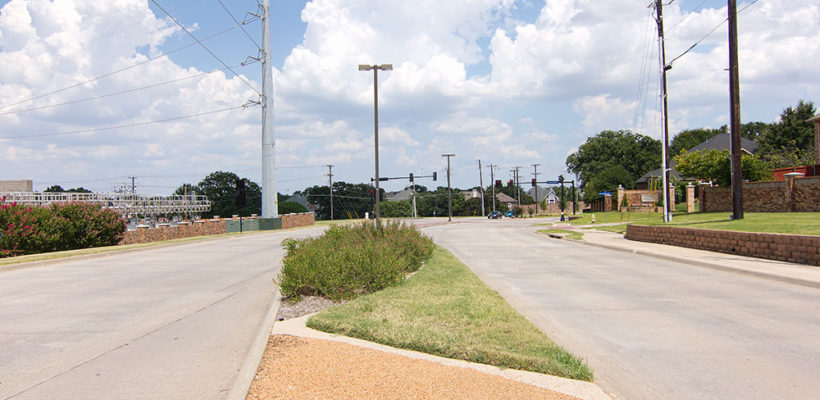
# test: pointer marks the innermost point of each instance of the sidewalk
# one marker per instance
(798, 274)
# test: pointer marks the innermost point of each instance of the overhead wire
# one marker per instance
(206, 48)
(93, 130)
(112, 94)
(166, 54)
(239, 24)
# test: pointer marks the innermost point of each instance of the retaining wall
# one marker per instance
(294, 220)
(798, 195)
(147, 235)
(801, 249)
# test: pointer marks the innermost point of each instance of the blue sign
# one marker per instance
(604, 194)
(553, 182)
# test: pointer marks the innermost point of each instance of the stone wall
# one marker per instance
(802, 249)
(147, 235)
(798, 195)
(294, 220)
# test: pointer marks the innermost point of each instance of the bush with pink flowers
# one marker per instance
(66, 226)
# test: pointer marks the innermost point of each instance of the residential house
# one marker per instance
(504, 198)
(540, 193)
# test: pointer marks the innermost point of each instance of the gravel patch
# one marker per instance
(308, 305)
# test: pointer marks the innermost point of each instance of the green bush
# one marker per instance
(32, 230)
(351, 260)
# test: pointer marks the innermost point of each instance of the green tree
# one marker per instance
(716, 166)
(789, 142)
(186, 189)
(221, 189)
(636, 153)
(396, 209)
(350, 200)
(54, 189)
(291, 207)
(607, 181)
(78, 190)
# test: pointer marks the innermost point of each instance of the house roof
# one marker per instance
(657, 174)
(722, 141)
(504, 198)
(542, 193)
(401, 195)
(814, 118)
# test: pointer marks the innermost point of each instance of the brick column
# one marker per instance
(608, 202)
(690, 198)
(671, 198)
(790, 177)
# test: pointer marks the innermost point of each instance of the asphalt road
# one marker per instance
(650, 328)
(166, 323)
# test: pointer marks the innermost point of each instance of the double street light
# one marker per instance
(376, 68)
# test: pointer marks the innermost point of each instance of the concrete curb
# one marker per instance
(705, 264)
(246, 374)
(580, 389)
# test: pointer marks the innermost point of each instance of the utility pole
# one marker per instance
(270, 204)
(481, 186)
(449, 191)
(535, 175)
(330, 186)
(492, 179)
(734, 100)
(133, 184)
(667, 214)
(415, 212)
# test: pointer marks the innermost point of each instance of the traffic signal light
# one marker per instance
(498, 183)
(533, 182)
(434, 176)
(561, 179)
(510, 183)
(372, 196)
(411, 177)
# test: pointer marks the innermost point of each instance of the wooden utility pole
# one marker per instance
(330, 186)
(535, 176)
(734, 103)
(492, 181)
(481, 186)
(667, 213)
(449, 191)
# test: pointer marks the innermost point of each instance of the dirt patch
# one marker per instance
(301, 368)
(308, 305)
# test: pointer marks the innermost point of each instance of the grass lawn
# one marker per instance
(620, 228)
(444, 309)
(794, 223)
(568, 234)
(615, 216)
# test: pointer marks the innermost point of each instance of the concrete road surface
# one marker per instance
(166, 323)
(651, 328)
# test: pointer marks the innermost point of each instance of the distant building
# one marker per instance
(302, 200)
(471, 194)
(543, 193)
(504, 198)
(23, 185)
(401, 195)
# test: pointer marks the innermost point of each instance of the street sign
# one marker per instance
(553, 182)
(604, 194)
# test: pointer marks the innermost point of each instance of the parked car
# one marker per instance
(509, 214)
(495, 215)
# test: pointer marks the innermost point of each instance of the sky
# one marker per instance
(84, 83)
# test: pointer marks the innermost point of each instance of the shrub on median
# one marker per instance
(69, 226)
(351, 260)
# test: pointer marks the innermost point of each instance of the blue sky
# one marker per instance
(510, 82)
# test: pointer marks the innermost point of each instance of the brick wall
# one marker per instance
(802, 249)
(780, 196)
(294, 220)
(146, 235)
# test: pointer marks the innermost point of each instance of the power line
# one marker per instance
(123, 126)
(110, 94)
(708, 34)
(206, 47)
(113, 72)
(687, 16)
(239, 24)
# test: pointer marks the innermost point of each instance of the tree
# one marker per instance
(789, 142)
(186, 189)
(291, 207)
(608, 181)
(55, 189)
(350, 200)
(636, 153)
(221, 189)
(716, 166)
(396, 209)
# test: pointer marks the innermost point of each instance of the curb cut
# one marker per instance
(704, 264)
(246, 374)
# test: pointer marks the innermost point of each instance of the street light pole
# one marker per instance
(376, 68)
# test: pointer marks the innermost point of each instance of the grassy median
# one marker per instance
(445, 310)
